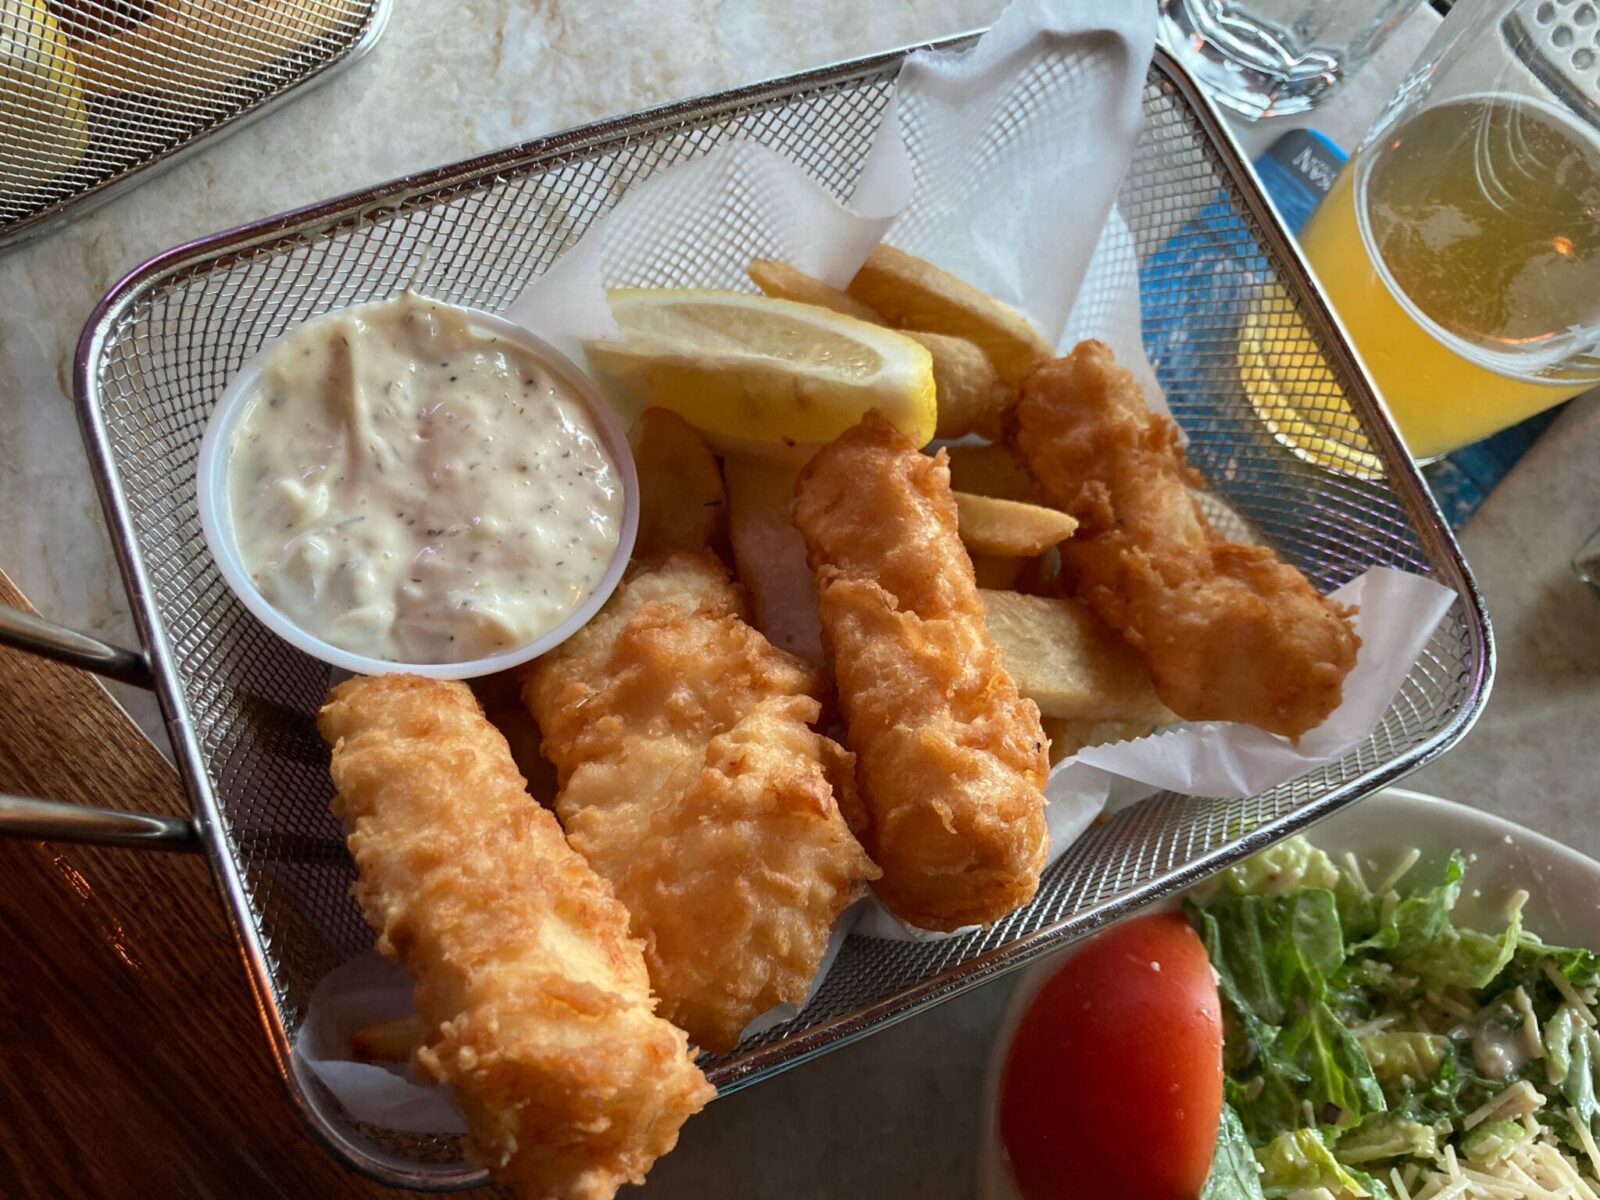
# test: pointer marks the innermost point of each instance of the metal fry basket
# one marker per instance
(96, 95)
(160, 347)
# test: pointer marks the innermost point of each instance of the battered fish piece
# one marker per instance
(1229, 632)
(535, 1001)
(950, 759)
(692, 780)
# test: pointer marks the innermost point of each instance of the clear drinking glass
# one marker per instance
(1460, 245)
(1270, 57)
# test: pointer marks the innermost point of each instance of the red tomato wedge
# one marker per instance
(1113, 1084)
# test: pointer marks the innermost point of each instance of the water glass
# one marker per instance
(1270, 57)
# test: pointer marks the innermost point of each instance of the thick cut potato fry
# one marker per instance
(969, 394)
(995, 572)
(389, 1041)
(1071, 663)
(981, 469)
(912, 293)
(1041, 576)
(770, 557)
(783, 282)
(971, 397)
(681, 497)
(1010, 528)
(1068, 735)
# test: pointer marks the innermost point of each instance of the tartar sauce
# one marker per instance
(413, 489)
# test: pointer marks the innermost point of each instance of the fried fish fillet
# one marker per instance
(951, 760)
(535, 1001)
(1229, 632)
(692, 780)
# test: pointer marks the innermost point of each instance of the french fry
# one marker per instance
(389, 1041)
(1010, 528)
(969, 394)
(1068, 735)
(769, 555)
(783, 282)
(1071, 663)
(681, 496)
(1041, 576)
(995, 572)
(981, 469)
(912, 293)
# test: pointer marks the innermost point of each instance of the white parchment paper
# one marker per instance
(1002, 164)
(364, 991)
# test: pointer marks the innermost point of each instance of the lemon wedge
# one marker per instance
(44, 123)
(751, 368)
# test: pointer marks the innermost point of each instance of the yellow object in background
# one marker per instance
(193, 49)
(1486, 216)
(44, 126)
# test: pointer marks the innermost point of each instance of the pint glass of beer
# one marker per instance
(1460, 246)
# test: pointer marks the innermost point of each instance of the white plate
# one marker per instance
(1563, 905)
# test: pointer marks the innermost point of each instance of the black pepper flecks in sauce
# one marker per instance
(403, 510)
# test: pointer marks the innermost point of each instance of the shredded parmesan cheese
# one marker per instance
(1400, 868)
(1521, 1097)
(1587, 1138)
(1533, 1170)
(1564, 986)
(1376, 1025)
(1353, 868)
(1454, 1007)
(1532, 1046)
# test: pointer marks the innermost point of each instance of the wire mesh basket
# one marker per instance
(161, 346)
(97, 94)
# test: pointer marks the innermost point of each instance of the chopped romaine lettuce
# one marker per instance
(1493, 1140)
(1274, 957)
(1577, 1085)
(1421, 940)
(1419, 920)
(1298, 1160)
(1404, 1058)
(1562, 1038)
(1235, 1174)
(1368, 1029)
(1385, 1137)
(1291, 864)
(1341, 1076)
(1581, 968)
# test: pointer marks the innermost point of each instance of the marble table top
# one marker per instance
(897, 1114)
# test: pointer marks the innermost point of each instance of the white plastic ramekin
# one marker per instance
(216, 518)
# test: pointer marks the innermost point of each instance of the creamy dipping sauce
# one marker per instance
(408, 487)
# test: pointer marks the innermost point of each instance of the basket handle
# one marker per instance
(51, 820)
(24, 631)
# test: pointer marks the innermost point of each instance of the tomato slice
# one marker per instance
(1113, 1083)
